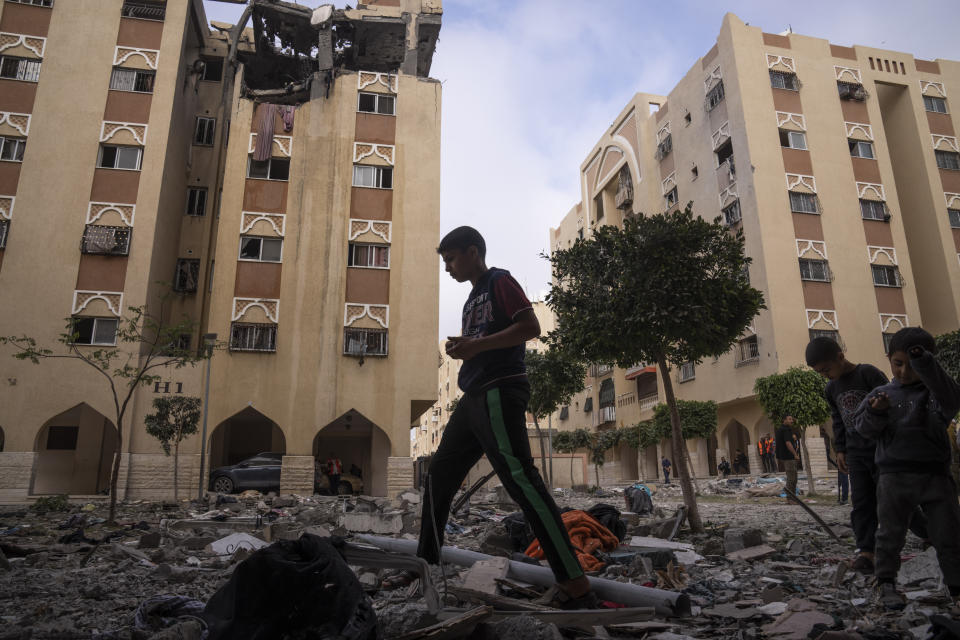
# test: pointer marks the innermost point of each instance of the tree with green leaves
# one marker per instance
(668, 289)
(146, 344)
(698, 419)
(554, 378)
(174, 418)
(796, 392)
(948, 352)
(600, 443)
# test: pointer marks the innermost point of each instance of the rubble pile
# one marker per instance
(762, 569)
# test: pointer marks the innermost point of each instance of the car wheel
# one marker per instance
(345, 488)
(223, 484)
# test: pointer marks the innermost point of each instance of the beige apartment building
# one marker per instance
(293, 211)
(842, 168)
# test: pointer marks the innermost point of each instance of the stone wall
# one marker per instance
(150, 476)
(297, 475)
(16, 468)
(399, 475)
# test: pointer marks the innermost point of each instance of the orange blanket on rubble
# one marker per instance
(586, 534)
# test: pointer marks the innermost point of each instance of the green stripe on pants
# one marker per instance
(570, 563)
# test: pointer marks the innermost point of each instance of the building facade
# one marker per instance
(841, 167)
(286, 208)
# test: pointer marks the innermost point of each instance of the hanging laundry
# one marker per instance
(266, 114)
(286, 114)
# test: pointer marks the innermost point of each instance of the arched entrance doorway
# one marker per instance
(737, 440)
(75, 452)
(361, 446)
(242, 435)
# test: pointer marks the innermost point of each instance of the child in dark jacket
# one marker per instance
(908, 418)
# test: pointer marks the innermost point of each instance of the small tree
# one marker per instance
(174, 418)
(554, 379)
(600, 443)
(667, 289)
(948, 352)
(569, 442)
(796, 392)
(146, 345)
(698, 419)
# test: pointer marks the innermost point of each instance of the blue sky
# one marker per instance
(529, 87)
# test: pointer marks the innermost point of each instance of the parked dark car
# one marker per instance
(261, 472)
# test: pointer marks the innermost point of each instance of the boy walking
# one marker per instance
(908, 418)
(491, 417)
(848, 385)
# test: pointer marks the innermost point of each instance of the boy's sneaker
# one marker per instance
(863, 564)
(886, 595)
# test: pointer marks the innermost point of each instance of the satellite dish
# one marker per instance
(321, 14)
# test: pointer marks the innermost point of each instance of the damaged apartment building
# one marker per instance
(280, 176)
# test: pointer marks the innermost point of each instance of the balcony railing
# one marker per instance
(608, 414)
(649, 402)
(623, 197)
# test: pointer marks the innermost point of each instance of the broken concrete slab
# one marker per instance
(233, 542)
(737, 539)
(483, 575)
(797, 621)
(373, 522)
(752, 553)
(923, 566)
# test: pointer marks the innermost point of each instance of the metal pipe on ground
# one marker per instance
(666, 603)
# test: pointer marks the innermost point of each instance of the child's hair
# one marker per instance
(462, 238)
(822, 349)
(909, 337)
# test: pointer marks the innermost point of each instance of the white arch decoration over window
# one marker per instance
(858, 128)
(721, 135)
(283, 143)
(795, 180)
(6, 206)
(871, 191)
(276, 220)
(668, 183)
(712, 78)
(818, 247)
(378, 312)
(363, 150)
(828, 316)
(122, 54)
(270, 306)
(137, 130)
(953, 200)
(781, 63)
(886, 319)
(728, 196)
(874, 253)
(785, 118)
(367, 78)
(82, 298)
(848, 74)
(36, 44)
(663, 132)
(933, 89)
(96, 209)
(381, 228)
(19, 121)
(948, 141)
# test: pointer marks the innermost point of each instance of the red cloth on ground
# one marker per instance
(586, 534)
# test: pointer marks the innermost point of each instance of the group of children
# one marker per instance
(892, 438)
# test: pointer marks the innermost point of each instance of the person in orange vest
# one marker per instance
(769, 447)
(762, 453)
(334, 471)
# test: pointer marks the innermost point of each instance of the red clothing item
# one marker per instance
(334, 468)
(586, 534)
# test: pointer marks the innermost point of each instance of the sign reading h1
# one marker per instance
(168, 387)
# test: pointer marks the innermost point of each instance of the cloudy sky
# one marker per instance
(529, 87)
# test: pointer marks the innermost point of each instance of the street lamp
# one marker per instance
(209, 341)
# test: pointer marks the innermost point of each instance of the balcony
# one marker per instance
(649, 402)
(608, 414)
(623, 197)
(598, 370)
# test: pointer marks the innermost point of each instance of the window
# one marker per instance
(62, 438)
(248, 336)
(793, 139)
(368, 255)
(860, 149)
(564, 412)
(131, 80)
(671, 198)
(598, 202)
(784, 80)
(826, 333)
(948, 160)
(694, 173)
(687, 119)
(851, 91)
(803, 202)
(724, 152)
(714, 96)
(376, 103)
(204, 130)
(212, 69)
(95, 331)
(144, 10)
(373, 177)
(588, 405)
(4, 230)
(261, 249)
(36, 3)
(272, 169)
(887, 337)
(187, 275)
(11, 149)
(731, 214)
(886, 276)
(687, 371)
(196, 201)
(19, 69)
(954, 216)
(113, 241)
(364, 342)
(937, 105)
(113, 157)
(747, 350)
(873, 210)
(814, 270)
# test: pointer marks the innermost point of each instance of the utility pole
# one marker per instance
(209, 341)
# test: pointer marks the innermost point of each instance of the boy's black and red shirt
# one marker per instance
(491, 307)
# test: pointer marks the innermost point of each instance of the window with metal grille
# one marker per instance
(261, 249)
(671, 198)
(851, 91)
(814, 270)
(937, 105)
(187, 275)
(144, 10)
(114, 157)
(860, 149)
(887, 337)
(368, 255)
(714, 96)
(197, 201)
(687, 371)
(131, 80)
(204, 130)
(212, 69)
(270, 169)
(372, 176)
(948, 160)
(747, 350)
(36, 3)
(731, 214)
(803, 202)
(784, 80)
(954, 217)
(19, 68)
(364, 342)
(4, 229)
(11, 149)
(873, 210)
(793, 139)
(825, 333)
(101, 331)
(62, 438)
(886, 275)
(249, 336)
(100, 239)
(376, 103)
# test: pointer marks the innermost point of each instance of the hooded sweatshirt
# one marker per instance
(911, 434)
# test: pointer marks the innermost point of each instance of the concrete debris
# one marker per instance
(921, 568)
(752, 553)
(233, 542)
